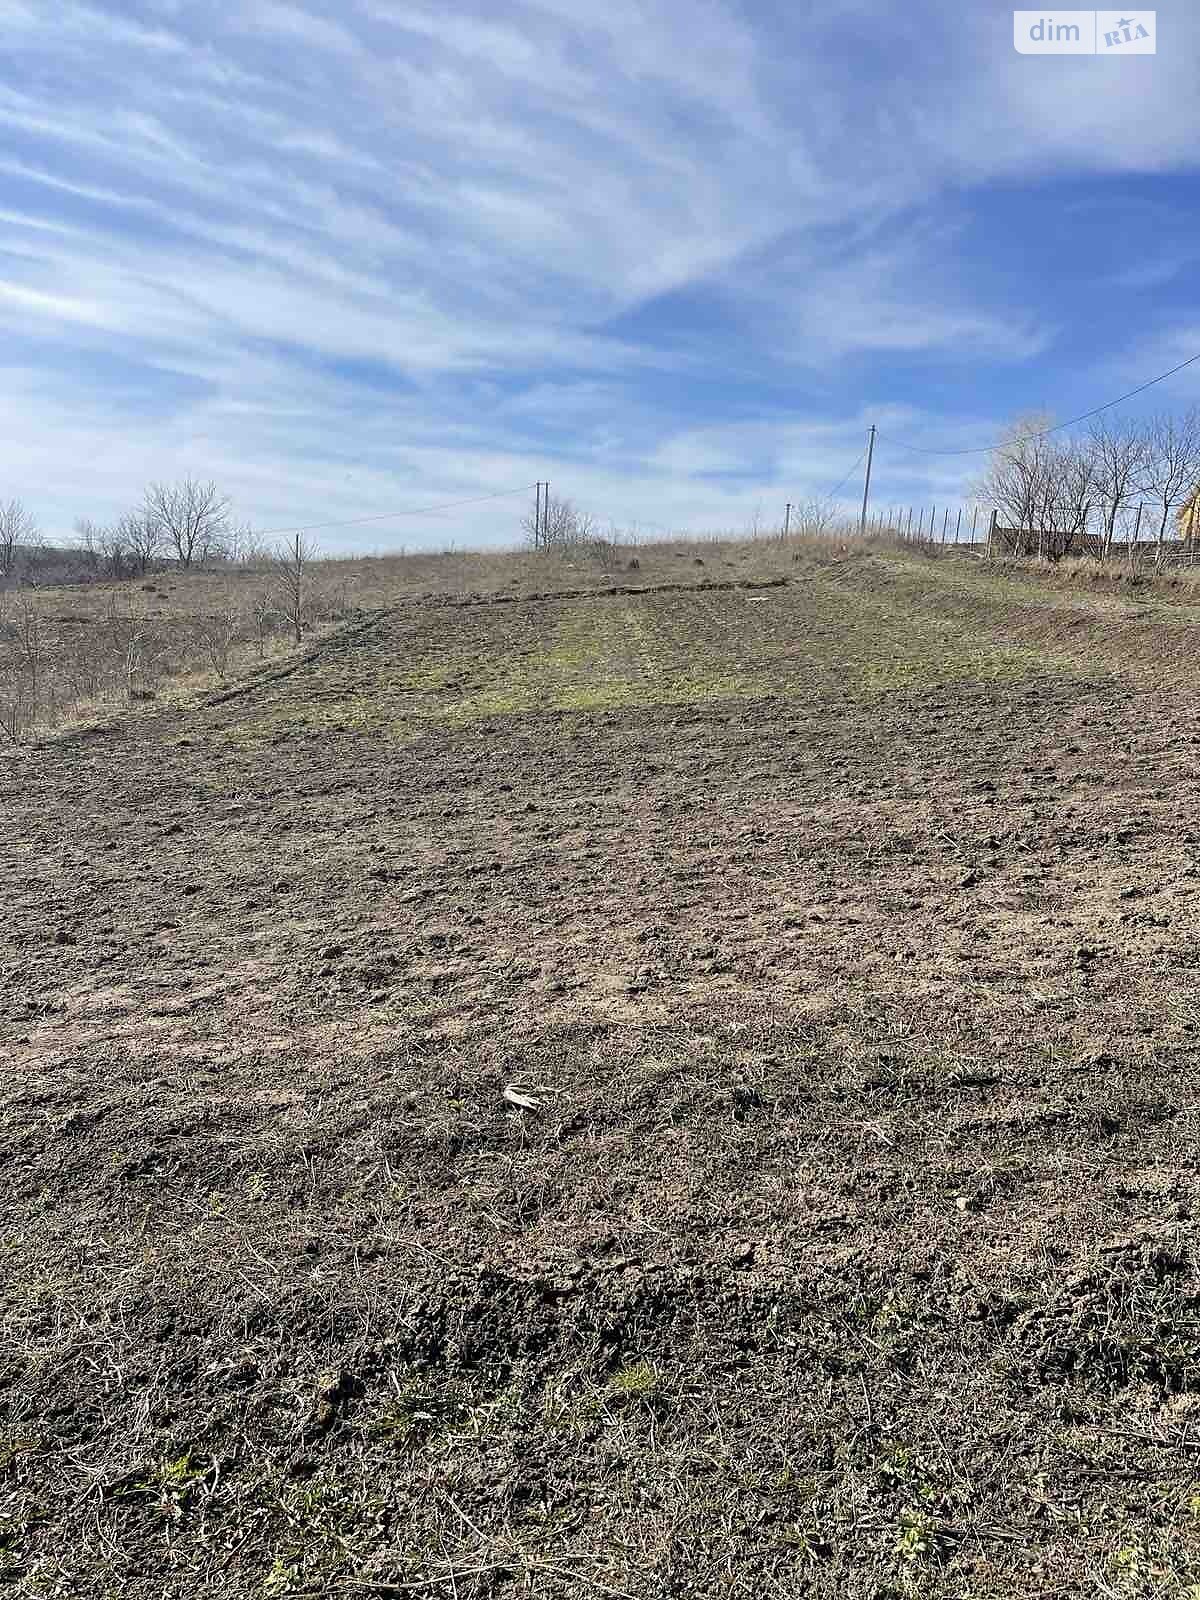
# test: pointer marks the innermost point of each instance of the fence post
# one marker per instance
(908, 527)
(945, 523)
(958, 525)
(991, 534)
(974, 520)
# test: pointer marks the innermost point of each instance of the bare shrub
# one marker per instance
(218, 636)
(16, 711)
(18, 531)
(290, 566)
(30, 669)
(262, 611)
(32, 642)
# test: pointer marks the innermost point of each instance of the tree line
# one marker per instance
(59, 662)
(188, 524)
(1117, 482)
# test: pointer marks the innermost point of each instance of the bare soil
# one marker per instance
(836, 942)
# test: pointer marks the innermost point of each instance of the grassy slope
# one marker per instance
(849, 923)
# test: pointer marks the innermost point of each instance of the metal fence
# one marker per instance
(944, 524)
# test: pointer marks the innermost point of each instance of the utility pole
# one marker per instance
(537, 516)
(862, 521)
(787, 519)
(546, 517)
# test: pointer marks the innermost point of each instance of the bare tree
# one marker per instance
(246, 548)
(1074, 495)
(1015, 478)
(563, 525)
(1118, 450)
(1172, 462)
(190, 518)
(90, 536)
(290, 566)
(105, 549)
(1045, 487)
(814, 518)
(140, 536)
(18, 529)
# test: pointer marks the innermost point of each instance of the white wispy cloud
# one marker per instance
(350, 255)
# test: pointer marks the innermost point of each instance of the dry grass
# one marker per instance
(73, 653)
(840, 1239)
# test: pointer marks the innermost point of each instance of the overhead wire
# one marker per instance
(900, 444)
(1042, 433)
(848, 475)
(387, 516)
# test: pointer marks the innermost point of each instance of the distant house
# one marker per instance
(1187, 518)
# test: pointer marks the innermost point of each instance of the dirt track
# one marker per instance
(848, 1249)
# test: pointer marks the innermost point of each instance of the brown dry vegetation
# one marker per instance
(70, 652)
(840, 926)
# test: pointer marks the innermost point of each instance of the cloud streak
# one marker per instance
(348, 256)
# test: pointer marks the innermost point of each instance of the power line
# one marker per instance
(849, 474)
(985, 449)
(387, 516)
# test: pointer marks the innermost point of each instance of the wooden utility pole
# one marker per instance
(537, 517)
(787, 519)
(546, 516)
(862, 521)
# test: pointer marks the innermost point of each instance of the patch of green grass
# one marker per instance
(636, 1380)
(887, 624)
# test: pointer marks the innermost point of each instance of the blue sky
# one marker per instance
(352, 257)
